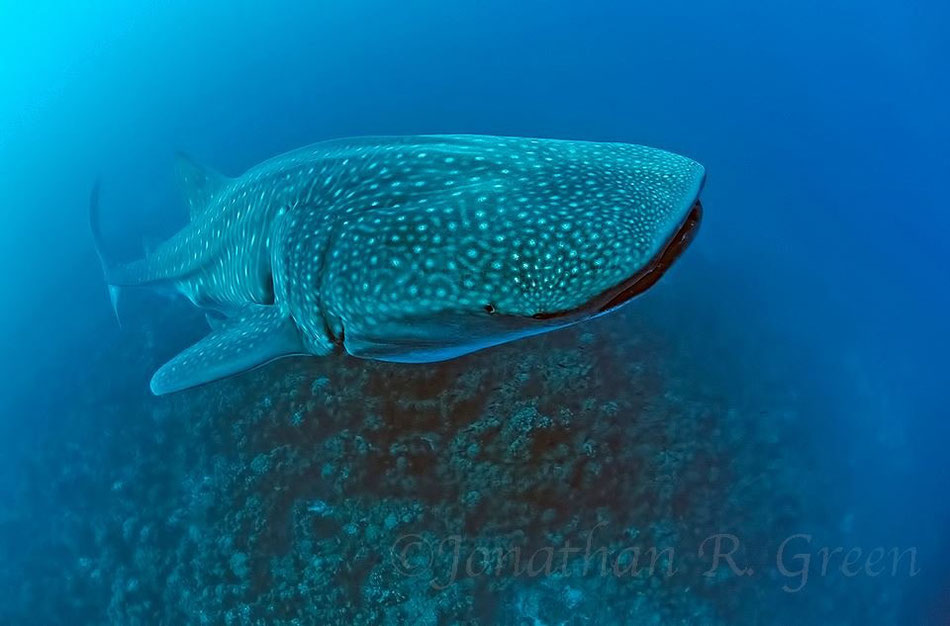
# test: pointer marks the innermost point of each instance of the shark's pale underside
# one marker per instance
(414, 249)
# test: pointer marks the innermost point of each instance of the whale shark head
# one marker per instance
(545, 238)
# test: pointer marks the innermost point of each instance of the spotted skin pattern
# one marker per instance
(413, 248)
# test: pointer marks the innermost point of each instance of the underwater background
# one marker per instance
(781, 391)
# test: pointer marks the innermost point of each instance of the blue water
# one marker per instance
(816, 291)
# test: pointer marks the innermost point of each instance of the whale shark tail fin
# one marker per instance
(94, 226)
(253, 336)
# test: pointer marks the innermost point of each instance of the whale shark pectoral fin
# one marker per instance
(257, 335)
(198, 184)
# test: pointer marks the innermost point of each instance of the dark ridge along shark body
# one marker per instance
(414, 249)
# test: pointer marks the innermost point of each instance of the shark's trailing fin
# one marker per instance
(199, 184)
(150, 244)
(214, 322)
(94, 226)
(256, 335)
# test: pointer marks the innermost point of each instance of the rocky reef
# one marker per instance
(583, 477)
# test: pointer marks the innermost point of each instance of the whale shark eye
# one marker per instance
(489, 308)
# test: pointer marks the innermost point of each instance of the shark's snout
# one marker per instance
(644, 278)
(653, 271)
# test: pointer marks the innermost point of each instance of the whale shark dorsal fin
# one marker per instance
(199, 184)
(255, 335)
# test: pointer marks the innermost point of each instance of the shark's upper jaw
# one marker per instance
(647, 276)
(653, 271)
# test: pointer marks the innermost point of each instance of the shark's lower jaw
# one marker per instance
(649, 275)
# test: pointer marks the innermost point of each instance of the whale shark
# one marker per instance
(412, 249)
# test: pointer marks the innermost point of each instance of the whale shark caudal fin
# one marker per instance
(199, 185)
(255, 335)
(94, 226)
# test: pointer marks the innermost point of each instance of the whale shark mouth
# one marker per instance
(654, 270)
(646, 277)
